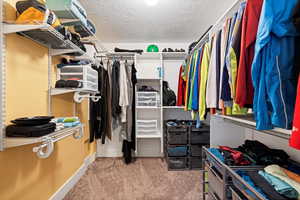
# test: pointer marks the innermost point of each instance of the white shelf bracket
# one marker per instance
(46, 149)
(79, 96)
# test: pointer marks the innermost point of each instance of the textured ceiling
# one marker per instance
(168, 21)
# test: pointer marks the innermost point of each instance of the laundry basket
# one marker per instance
(84, 73)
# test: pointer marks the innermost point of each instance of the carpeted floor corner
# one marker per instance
(145, 179)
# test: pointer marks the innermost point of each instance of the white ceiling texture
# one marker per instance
(126, 21)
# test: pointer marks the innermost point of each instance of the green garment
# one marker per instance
(192, 79)
(203, 80)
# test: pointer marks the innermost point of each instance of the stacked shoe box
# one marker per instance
(183, 144)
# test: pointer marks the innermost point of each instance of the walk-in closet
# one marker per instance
(149, 100)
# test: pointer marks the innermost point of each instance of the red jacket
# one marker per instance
(295, 138)
(244, 88)
(181, 89)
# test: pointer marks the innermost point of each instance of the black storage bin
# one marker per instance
(177, 162)
(196, 162)
(177, 134)
(196, 150)
(200, 135)
(177, 151)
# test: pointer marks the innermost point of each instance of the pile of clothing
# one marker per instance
(66, 122)
(249, 60)
(274, 182)
(250, 153)
(31, 127)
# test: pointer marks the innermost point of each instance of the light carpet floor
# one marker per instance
(145, 179)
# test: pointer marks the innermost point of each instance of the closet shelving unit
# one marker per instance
(47, 36)
(151, 69)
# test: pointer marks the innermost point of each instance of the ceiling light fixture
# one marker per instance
(151, 2)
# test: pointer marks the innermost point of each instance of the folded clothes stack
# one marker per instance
(66, 122)
(31, 127)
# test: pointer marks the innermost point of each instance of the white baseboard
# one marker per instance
(70, 183)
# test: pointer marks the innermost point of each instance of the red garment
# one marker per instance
(295, 138)
(237, 156)
(181, 89)
(244, 88)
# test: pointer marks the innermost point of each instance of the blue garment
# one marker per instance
(280, 186)
(247, 178)
(273, 75)
(195, 101)
(217, 153)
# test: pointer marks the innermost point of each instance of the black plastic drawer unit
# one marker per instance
(196, 150)
(177, 134)
(196, 162)
(177, 151)
(200, 135)
(177, 162)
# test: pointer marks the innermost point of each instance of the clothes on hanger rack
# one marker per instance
(116, 109)
(129, 145)
(223, 76)
(100, 112)
(273, 71)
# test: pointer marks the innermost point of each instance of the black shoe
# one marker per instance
(170, 50)
(182, 50)
(164, 50)
(177, 50)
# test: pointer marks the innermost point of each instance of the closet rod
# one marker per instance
(216, 26)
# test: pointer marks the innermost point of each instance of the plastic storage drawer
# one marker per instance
(200, 135)
(150, 99)
(177, 134)
(177, 162)
(147, 127)
(177, 151)
(196, 162)
(196, 150)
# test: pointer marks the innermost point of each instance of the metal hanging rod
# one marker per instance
(217, 25)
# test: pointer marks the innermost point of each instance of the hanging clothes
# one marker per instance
(181, 88)
(100, 112)
(295, 138)
(192, 79)
(188, 81)
(197, 78)
(244, 87)
(273, 70)
(203, 79)
(129, 146)
(211, 87)
(116, 109)
(225, 92)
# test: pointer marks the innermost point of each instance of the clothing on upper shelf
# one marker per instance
(273, 72)
(295, 137)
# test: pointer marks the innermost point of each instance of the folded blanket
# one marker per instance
(292, 175)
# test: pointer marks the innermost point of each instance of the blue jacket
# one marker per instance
(273, 68)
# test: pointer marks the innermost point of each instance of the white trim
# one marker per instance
(280, 81)
(70, 183)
